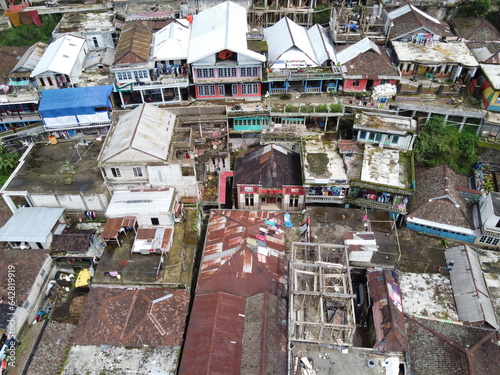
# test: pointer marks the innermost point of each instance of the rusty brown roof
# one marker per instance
(371, 65)
(232, 262)
(387, 308)
(213, 342)
(133, 317)
(413, 21)
(237, 321)
(134, 44)
(436, 197)
(27, 265)
(268, 165)
(113, 226)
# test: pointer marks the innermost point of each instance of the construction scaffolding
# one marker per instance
(267, 12)
(349, 26)
(320, 295)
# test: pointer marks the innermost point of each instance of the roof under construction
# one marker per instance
(321, 301)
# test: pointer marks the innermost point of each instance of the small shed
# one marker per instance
(360, 246)
(151, 207)
(33, 227)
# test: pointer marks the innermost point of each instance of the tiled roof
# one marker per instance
(415, 19)
(134, 44)
(446, 348)
(10, 56)
(475, 29)
(133, 317)
(27, 265)
(371, 65)
(269, 165)
(436, 198)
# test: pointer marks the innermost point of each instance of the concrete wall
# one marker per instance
(72, 202)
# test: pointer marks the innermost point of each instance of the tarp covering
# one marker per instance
(75, 101)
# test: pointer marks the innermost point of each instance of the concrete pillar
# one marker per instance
(419, 89)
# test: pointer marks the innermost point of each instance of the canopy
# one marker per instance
(75, 101)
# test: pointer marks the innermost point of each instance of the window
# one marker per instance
(124, 76)
(96, 43)
(42, 272)
(249, 72)
(371, 136)
(137, 172)
(206, 90)
(234, 90)
(362, 135)
(355, 83)
(25, 304)
(116, 172)
(49, 80)
(222, 90)
(141, 74)
(498, 224)
(226, 72)
(489, 240)
(155, 221)
(249, 200)
(294, 202)
(395, 139)
(249, 89)
(205, 72)
(42, 82)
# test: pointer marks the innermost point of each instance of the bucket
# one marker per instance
(52, 139)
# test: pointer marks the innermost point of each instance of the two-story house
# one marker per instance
(138, 77)
(300, 60)
(490, 220)
(390, 131)
(136, 154)
(222, 65)
(61, 64)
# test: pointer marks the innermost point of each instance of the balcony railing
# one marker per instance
(376, 205)
(325, 198)
(297, 75)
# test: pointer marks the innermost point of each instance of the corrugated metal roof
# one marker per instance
(349, 53)
(214, 336)
(30, 224)
(147, 129)
(469, 288)
(221, 27)
(171, 42)
(283, 36)
(60, 56)
(124, 203)
(31, 58)
(323, 47)
(134, 44)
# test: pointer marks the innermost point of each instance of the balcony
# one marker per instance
(333, 72)
(335, 199)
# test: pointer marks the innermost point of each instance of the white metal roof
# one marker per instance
(284, 36)
(140, 203)
(60, 56)
(171, 42)
(146, 129)
(492, 72)
(469, 288)
(221, 27)
(349, 53)
(321, 44)
(30, 224)
(435, 53)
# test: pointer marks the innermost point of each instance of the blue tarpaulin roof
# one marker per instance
(75, 101)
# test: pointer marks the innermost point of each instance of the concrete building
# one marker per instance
(390, 131)
(490, 220)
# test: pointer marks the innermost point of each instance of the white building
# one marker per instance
(490, 220)
(62, 63)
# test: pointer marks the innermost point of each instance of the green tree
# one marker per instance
(439, 144)
(8, 160)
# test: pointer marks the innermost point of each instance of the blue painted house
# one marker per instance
(443, 205)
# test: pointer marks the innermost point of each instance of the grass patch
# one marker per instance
(27, 35)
